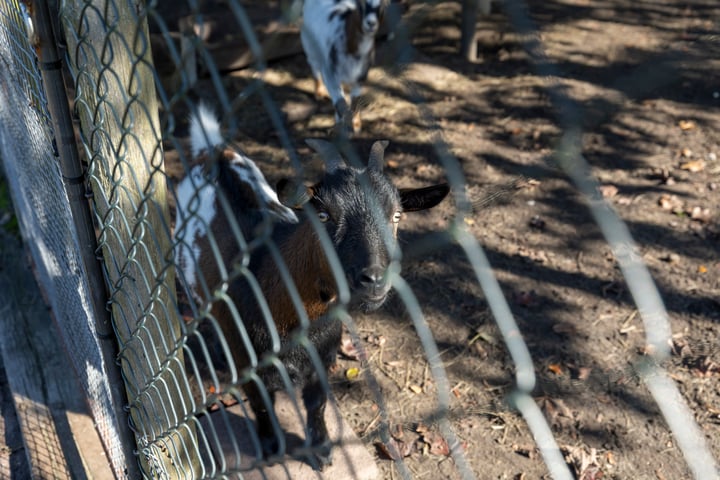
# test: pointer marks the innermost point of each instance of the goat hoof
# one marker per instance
(321, 92)
(322, 456)
(270, 447)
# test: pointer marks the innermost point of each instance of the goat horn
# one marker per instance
(331, 155)
(377, 155)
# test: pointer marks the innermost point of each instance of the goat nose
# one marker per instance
(372, 276)
(371, 23)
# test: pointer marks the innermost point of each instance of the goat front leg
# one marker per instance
(272, 442)
(320, 91)
(315, 400)
(355, 108)
(343, 115)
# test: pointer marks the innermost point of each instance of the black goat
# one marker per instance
(360, 209)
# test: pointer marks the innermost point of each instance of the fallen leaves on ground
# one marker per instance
(537, 256)
(415, 388)
(584, 461)
(404, 443)
(436, 443)
(608, 191)
(395, 449)
(700, 363)
(556, 411)
(693, 166)
(529, 451)
(686, 125)
(348, 348)
(678, 207)
(670, 202)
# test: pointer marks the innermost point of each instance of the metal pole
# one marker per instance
(74, 181)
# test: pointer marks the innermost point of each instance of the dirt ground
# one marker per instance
(645, 78)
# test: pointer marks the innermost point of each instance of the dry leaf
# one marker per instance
(681, 347)
(394, 449)
(704, 367)
(686, 124)
(647, 350)
(348, 348)
(394, 364)
(700, 214)
(670, 202)
(556, 368)
(526, 451)
(584, 461)
(352, 373)
(583, 373)
(693, 165)
(686, 152)
(416, 388)
(556, 411)
(378, 340)
(702, 269)
(438, 445)
(608, 191)
(421, 428)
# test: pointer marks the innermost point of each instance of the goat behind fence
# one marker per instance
(245, 318)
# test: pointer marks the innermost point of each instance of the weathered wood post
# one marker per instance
(109, 49)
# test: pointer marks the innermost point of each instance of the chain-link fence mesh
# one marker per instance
(190, 299)
(30, 157)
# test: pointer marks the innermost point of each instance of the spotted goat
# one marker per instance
(338, 37)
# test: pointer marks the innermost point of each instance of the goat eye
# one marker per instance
(396, 217)
(323, 216)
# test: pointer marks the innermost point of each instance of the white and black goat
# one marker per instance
(359, 208)
(338, 37)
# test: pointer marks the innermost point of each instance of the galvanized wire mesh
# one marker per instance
(29, 155)
(133, 89)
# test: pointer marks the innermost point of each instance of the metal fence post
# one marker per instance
(109, 48)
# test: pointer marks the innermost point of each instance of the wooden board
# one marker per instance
(58, 438)
(13, 462)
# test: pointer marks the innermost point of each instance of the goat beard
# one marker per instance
(367, 305)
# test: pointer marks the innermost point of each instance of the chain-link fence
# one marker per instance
(227, 286)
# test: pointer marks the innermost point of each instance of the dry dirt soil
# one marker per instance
(644, 77)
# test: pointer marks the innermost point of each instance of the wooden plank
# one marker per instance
(51, 412)
(13, 462)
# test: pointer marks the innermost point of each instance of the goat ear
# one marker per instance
(377, 155)
(415, 199)
(329, 153)
(293, 193)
